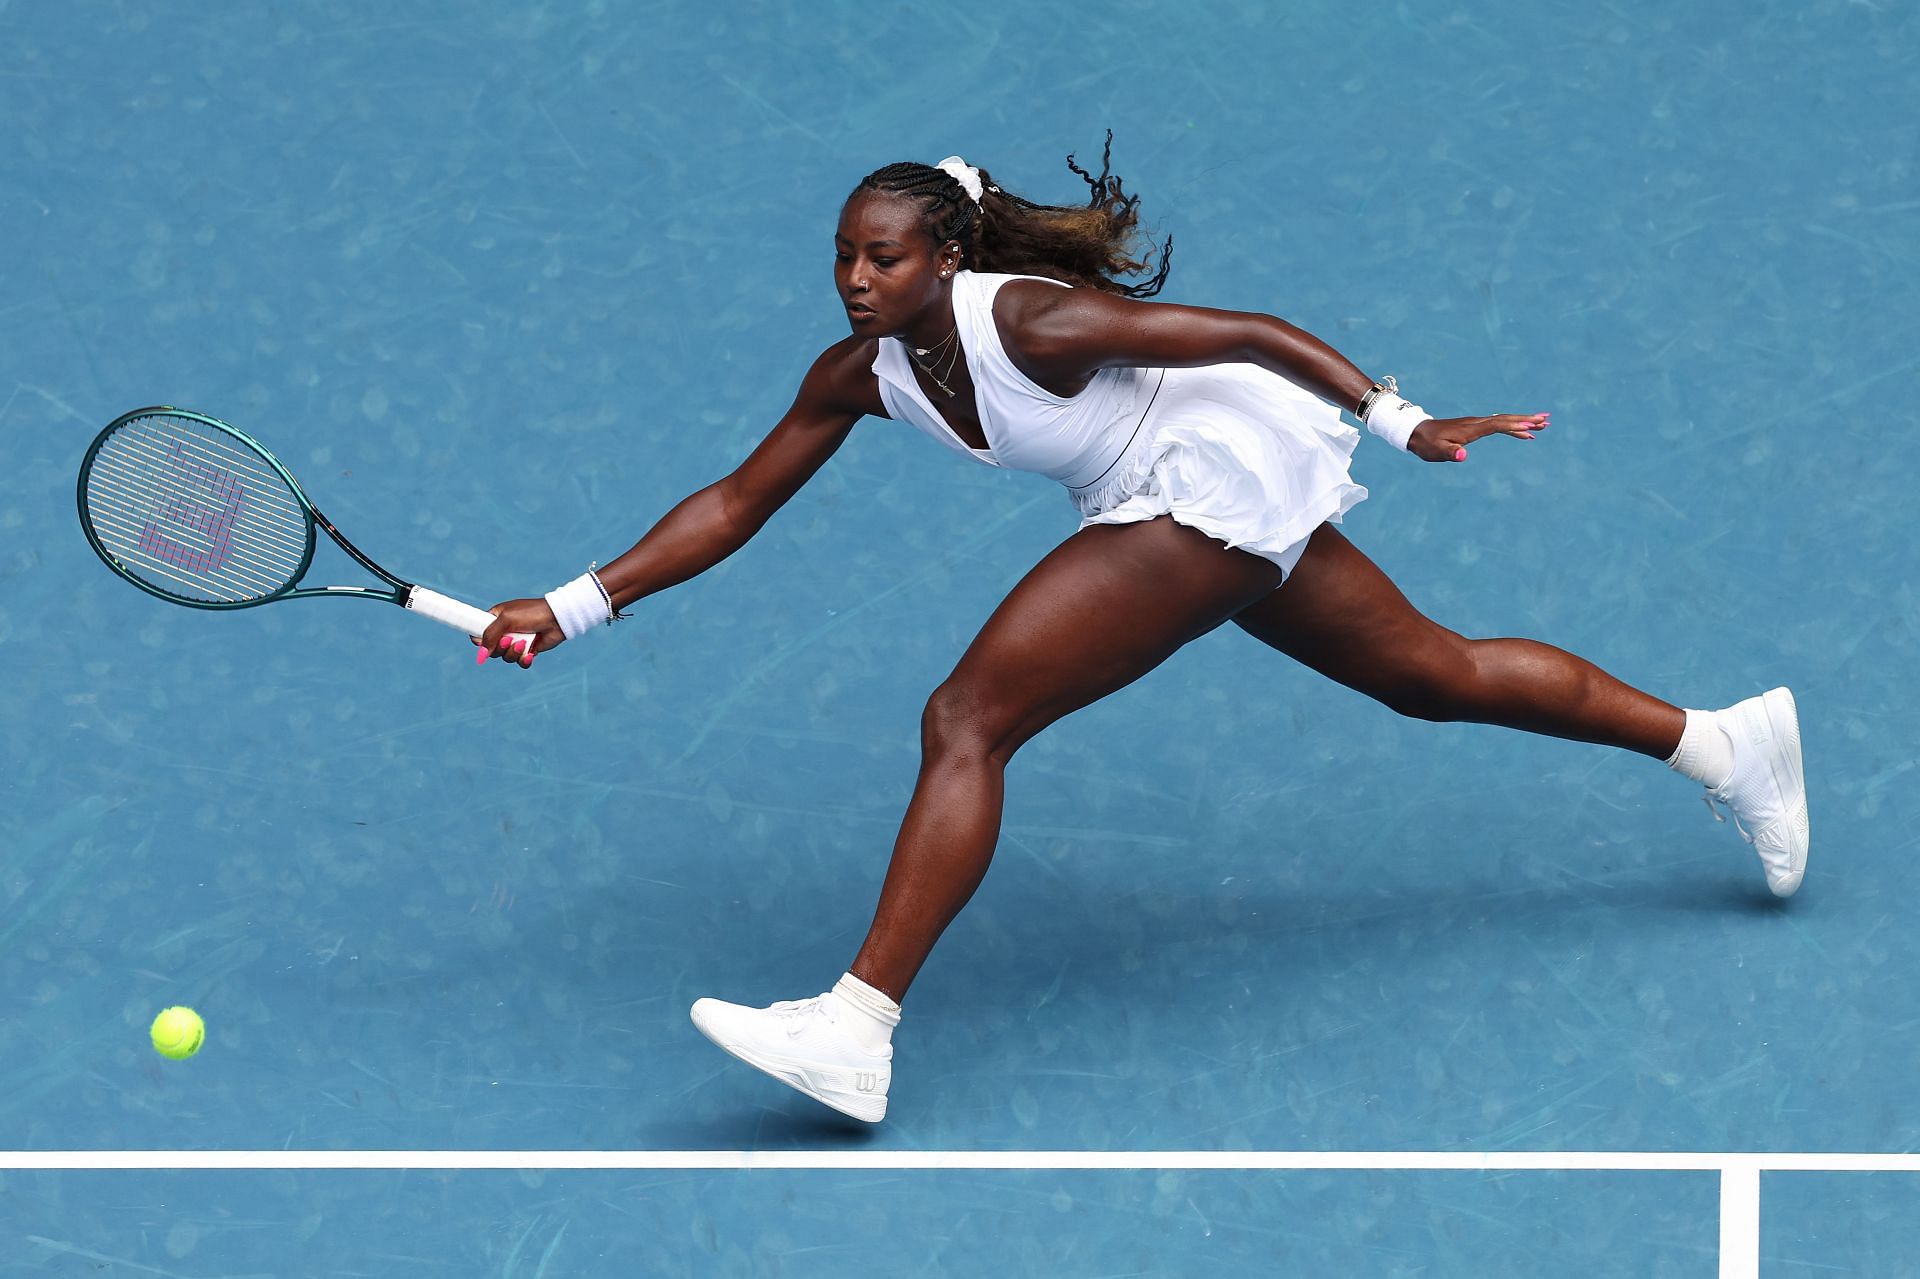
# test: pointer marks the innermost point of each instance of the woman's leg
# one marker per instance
(1104, 608)
(1339, 615)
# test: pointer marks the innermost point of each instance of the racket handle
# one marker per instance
(448, 611)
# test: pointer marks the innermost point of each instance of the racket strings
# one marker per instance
(201, 512)
(194, 517)
(173, 544)
(194, 514)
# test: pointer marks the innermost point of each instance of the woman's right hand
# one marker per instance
(520, 617)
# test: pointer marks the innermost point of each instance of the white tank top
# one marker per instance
(1084, 441)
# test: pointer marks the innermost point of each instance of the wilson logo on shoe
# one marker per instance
(866, 1081)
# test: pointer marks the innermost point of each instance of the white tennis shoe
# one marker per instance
(799, 1043)
(1767, 790)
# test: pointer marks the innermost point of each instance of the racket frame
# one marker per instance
(408, 595)
(395, 593)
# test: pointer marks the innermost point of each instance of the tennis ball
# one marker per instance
(178, 1033)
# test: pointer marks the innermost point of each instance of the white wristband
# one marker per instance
(579, 605)
(1393, 419)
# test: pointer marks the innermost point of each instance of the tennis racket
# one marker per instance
(200, 513)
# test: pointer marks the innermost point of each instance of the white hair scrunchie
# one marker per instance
(963, 173)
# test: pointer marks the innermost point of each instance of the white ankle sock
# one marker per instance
(1705, 753)
(869, 1015)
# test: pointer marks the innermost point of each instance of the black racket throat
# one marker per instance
(396, 589)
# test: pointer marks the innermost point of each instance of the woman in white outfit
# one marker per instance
(1206, 455)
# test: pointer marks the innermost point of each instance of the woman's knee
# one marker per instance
(964, 720)
(1418, 700)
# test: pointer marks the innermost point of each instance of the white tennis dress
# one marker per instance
(1242, 454)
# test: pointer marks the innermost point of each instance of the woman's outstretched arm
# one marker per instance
(711, 524)
(1061, 337)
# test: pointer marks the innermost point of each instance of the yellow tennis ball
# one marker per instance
(178, 1033)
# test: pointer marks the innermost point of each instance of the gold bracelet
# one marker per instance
(1385, 386)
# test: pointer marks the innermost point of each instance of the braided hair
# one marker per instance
(1086, 246)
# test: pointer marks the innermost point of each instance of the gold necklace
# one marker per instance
(953, 357)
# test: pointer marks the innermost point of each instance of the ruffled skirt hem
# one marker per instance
(1242, 455)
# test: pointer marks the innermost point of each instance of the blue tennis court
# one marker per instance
(1265, 980)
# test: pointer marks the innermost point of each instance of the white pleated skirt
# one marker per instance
(1239, 453)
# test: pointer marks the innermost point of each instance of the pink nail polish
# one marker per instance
(1460, 455)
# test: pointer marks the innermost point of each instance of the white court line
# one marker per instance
(1739, 1173)
(869, 1160)
(1740, 1221)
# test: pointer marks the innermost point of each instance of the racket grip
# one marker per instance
(448, 611)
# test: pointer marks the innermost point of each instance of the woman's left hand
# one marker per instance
(1446, 439)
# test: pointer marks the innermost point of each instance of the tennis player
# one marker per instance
(1206, 455)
